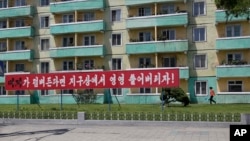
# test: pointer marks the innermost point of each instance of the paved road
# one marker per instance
(170, 131)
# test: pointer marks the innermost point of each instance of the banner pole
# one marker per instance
(61, 100)
(17, 102)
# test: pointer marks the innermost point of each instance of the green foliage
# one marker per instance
(169, 95)
(234, 7)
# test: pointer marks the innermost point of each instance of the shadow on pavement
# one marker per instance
(52, 132)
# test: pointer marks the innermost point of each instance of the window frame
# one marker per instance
(195, 86)
(199, 8)
(115, 41)
(115, 18)
(89, 16)
(19, 45)
(18, 65)
(47, 64)
(194, 34)
(3, 46)
(68, 65)
(3, 24)
(168, 32)
(43, 22)
(142, 11)
(4, 4)
(90, 63)
(44, 3)
(146, 36)
(2, 90)
(232, 28)
(228, 85)
(91, 43)
(67, 19)
(42, 44)
(200, 67)
(68, 43)
(234, 56)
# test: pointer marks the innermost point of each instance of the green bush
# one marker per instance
(169, 95)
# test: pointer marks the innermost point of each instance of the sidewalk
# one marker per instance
(116, 131)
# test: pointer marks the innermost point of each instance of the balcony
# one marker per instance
(231, 43)
(184, 72)
(157, 20)
(76, 5)
(2, 79)
(17, 32)
(97, 50)
(233, 71)
(17, 55)
(157, 47)
(220, 17)
(139, 2)
(20, 11)
(76, 27)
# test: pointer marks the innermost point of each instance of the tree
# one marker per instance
(169, 95)
(235, 7)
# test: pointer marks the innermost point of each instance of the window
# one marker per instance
(117, 91)
(234, 57)
(233, 31)
(116, 63)
(3, 24)
(19, 23)
(68, 91)
(19, 67)
(45, 44)
(89, 16)
(144, 36)
(235, 86)
(44, 92)
(44, 67)
(44, 2)
(201, 87)
(199, 8)
(169, 34)
(116, 39)
(2, 90)
(144, 11)
(89, 40)
(169, 62)
(44, 21)
(19, 45)
(20, 92)
(200, 61)
(3, 3)
(199, 34)
(168, 9)
(3, 46)
(145, 90)
(68, 18)
(116, 15)
(144, 62)
(2, 68)
(68, 65)
(88, 64)
(68, 41)
(20, 2)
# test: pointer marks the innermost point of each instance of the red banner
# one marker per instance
(94, 79)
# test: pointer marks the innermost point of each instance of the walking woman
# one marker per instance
(212, 94)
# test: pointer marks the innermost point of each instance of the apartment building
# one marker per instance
(43, 36)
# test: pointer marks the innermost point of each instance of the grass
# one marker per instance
(192, 108)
